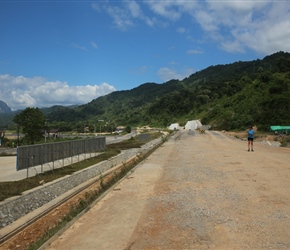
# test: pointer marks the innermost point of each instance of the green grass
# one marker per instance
(13, 188)
(85, 203)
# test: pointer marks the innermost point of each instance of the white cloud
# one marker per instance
(125, 14)
(232, 46)
(238, 6)
(121, 17)
(137, 13)
(181, 30)
(21, 92)
(262, 26)
(206, 20)
(166, 9)
(233, 25)
(74, 45)
(96, 6)
(172, 10)
(134, 9)
(167, 74)
(94, 45)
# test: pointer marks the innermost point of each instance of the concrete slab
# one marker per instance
(8, 169)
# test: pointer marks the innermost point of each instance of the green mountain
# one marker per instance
(4, 108)
(230, 96)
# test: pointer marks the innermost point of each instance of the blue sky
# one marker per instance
(61, 52)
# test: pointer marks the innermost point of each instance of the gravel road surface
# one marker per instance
(197, 191)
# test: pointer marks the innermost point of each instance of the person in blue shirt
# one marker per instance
(251, 132)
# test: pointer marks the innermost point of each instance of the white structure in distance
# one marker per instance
(190, 125)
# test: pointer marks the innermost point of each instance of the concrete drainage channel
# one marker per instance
(17, 211)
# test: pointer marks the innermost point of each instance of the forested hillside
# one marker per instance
(232, 96)
(229, 96)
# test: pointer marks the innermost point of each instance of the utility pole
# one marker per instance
(100, 126)
(45, 131)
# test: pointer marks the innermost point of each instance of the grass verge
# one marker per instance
(87, 200)
(13, 188)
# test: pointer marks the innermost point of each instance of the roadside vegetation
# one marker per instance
(13, 188)
(46, 227)
(227, 97)
(84, 203)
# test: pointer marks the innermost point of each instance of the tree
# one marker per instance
(32, 122)
(128, 129)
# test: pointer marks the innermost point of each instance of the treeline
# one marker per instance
(230, 96)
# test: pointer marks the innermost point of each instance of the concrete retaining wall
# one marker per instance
(16, 207)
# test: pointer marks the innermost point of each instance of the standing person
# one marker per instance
(251, 132)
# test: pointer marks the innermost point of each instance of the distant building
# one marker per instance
(54, 132)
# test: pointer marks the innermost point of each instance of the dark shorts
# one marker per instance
(250, 139)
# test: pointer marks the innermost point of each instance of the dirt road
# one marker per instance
(198, 191)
